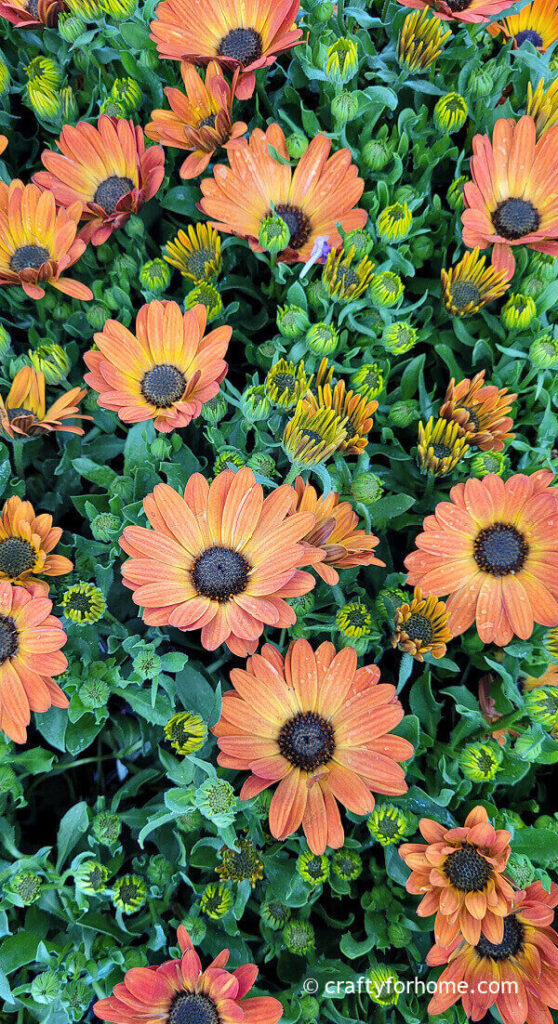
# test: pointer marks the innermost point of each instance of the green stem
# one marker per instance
(17, 449)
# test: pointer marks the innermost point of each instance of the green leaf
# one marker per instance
(72, 826)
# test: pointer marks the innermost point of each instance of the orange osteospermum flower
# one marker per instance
(518, 974)
(26, 541)
(513, 197)
(536, 23)
(335, 532)
(320, 728)
(459, 874)
(30, 654)
(355, 408)
(165, 371)
(221, 559)
(240, 36)
(480, 410)
(38, 242)
(180, 990)
(320, 193)
(200, 121)
(24, 413)
(28, 13)
(421, 626)
(494, 548)
(468, 11)
(105, 168)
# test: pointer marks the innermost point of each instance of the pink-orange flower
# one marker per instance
(468, 11)
(28, 13)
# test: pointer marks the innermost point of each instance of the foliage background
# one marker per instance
(112, 757)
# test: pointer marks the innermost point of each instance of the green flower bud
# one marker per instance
(367, 488)
(488, 462)
(533, 286)
(309, 1008)
(302, 605)
(274, 234)
(216, 900)
(135, 228)
(403, 413)
(127, 92)
(299, 937)
(94, 694)
(71, 27)
(263, 464)
(399, 337)
(347, 865)
(296, 145)
(344, 106)
(455, 197)
(214, 410)
(206, 294)
(105, 527)
(520, 869)
(45, 988)
(292, 321)
(481, 82)
(542, 705)
(341, 61)
(422, 249)
(216, 800)
(381, 982)
(376, 154)
(360, 241)
(4, 77)
(323, 11)
(543, 353)
(76, 996)
(97, 316)
(155, 276)
(518, 312)
(480, 762)
(388, 824)
(322, 339)
(450, 113)
(159, 870)
(196, 928)
(129, 894)
(26, 886)
(313, 868)
(53, 361)
(386, 289)
(147, 663)
(388, 600)
(91, 877)
(394, 223)
(106, 827)
(70, 109)
(228, 458)
(254, 403)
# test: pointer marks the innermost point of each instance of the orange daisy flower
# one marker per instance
(38, 242)
(24, 413)
(513, 197)
(320, 193)
(480, 410)
(494, 548)
(164, 372)
(200, 120)
(320, 727)
(459, 874)
(105, 168)
(335, 531)
(525, 959)
(28, 13)
(536, 23)
(468, 11)
(240, 35)
(180, 990)
(356, 409)
(30, 654)
(3, 143)
(26, 541)
(421, 626)
(221, 559)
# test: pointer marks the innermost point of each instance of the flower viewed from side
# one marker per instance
(421, 627)
(394, 223)
(421, 40)
(526, 956)
(355, 411)
(30, 655)
(221, 559)
(23, 413)
(440, 446)
(28, 13)
(470, 284)
(180, 990)
(494, 549)
(319, 194)
(38, 242)
(199, 121)
(165, 371)
(514, 192)
(459, 873)
(335, 532)
(286, 383)
(107, 169)
(196, 254)
(26, 541)
(536, 23)
(542, 105)
(320, 728)
(480, 411)
(312, 436)
(241, 37)
(468, 11)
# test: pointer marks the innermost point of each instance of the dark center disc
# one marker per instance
(418, 627)
(9, 638)
(511, 943)
(467, 870)
(241, 44)
(463, 293)
(220, 573)
(111, 190)
(163, 385)
(500, 549)
(528, 35)
(16, 556)
(29, 257)
(307, 741)
(191, 1008)
(515, 218)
